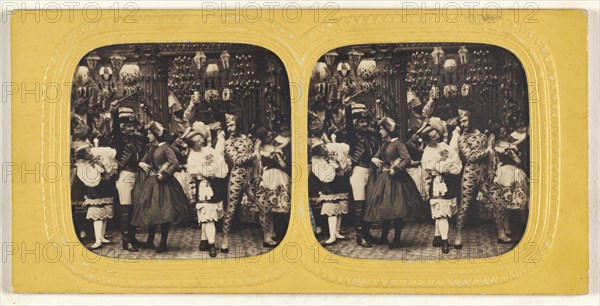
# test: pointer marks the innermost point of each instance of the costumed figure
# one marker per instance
(129, 145)
(443, 166)
(393, 195)
(241, 155)
(507, 186)
(362, 147)
(208, 170)
(475, 153)
(93, 185)
(273, 191)
(329, 164)
(159, 199)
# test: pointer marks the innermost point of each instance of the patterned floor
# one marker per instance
(479, 241)
(183, 244)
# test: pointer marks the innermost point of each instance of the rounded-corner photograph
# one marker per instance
(418, 151)
(180, 150)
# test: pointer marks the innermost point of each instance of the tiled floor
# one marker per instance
(478, 241)
(183, 244)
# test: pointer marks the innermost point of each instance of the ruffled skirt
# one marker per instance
(443, 208)
(209, 212)
(334, 204)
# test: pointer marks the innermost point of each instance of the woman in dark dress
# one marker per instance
(159, 199)
(394, 195)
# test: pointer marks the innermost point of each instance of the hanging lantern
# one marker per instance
(130, 74)
(105, 73)
(226, 94)
(354, 56)
(319, 72)
(92, 60)
(330, 58)
(225, 59)
(82, 75)
(450, 65)
(343, 68)
(116, 61)
(367, 69)
(462, 54)
(199, 60)
(437, 55)
(212, 70)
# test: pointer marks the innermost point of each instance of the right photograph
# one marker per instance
(418, 151)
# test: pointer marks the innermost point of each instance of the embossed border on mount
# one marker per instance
(545, 141)
(191, 274)
(298, 49)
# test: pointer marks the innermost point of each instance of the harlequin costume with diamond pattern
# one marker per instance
(239, 153)
(472, 145)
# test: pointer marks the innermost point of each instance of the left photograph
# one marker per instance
(180, 151)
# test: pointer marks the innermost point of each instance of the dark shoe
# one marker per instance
(396, 244)
(381, 240)
(360, 241)
(128, 246)
(161, 249)
(445, 247)
(147, 245)
(226, 250)
(437, 241)
(268, 245)
(369, 238)
(138, 244)
(212, 250)
(458, 246)
(203, 245)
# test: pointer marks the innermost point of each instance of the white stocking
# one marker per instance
(443, 227)
(203, 230)
(98, 231)
(338, 227)
(209, 231)
(332, 223)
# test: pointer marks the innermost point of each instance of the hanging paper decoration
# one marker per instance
(367, 69)
(319, 72)
(343, 69)
(82, 75)
(130, 74)
(226, 95)
(105, 73)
